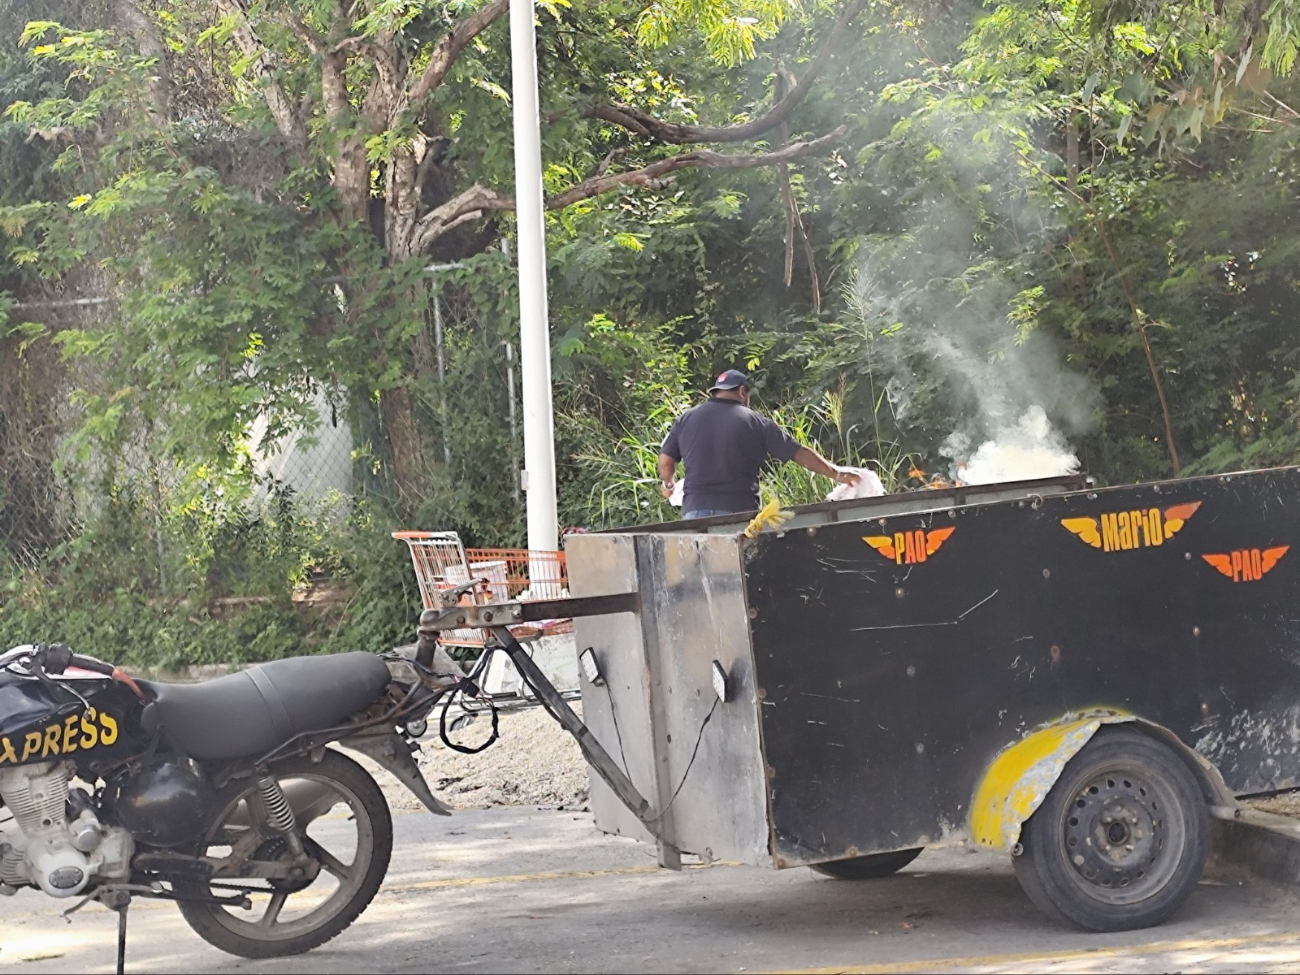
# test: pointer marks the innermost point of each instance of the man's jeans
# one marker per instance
(709, 513)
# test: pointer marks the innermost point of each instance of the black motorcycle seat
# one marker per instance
(245, 715)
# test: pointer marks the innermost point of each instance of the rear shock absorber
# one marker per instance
(279, 814)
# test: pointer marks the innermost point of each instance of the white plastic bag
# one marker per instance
(678, 497)
(868, 486)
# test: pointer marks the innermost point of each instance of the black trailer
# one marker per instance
(1080, 677)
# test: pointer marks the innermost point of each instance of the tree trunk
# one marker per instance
(1071, 152)
(397, 412)
(137, 23)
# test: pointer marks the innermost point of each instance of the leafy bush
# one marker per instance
(242, 570)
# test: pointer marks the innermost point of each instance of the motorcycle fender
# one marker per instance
(392, 752)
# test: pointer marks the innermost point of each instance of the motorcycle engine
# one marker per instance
(47, 850)
(163, 802)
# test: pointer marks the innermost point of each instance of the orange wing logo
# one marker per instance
(1271, 556)
(1122, 531)
(910, 547)
(884, 544)
(1247, 564)
(1221, 562)
(1085, 528)
(936, 538)
(1177, 515)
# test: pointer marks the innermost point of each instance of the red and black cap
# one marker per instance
(731, 379)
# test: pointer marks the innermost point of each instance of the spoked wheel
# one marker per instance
(346, 832)
(1121, 839)
(870, 867)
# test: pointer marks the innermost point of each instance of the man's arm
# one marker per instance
(781, 445)
(808, 458)
(667, 473)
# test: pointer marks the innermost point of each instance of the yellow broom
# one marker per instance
(770, 517)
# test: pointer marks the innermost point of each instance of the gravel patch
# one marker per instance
(534, 762)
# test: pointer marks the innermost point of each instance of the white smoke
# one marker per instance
(1028, 449)
(1009, 401)
(953, 331)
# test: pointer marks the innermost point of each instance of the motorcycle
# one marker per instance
(227, 796)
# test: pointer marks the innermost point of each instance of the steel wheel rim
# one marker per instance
(1120, 835)
(327, 910)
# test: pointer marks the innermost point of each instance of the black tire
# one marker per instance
(1120, 841)
(223, 928)
(871, 867)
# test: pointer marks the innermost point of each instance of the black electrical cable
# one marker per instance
(466, 685)
(618, 734)
(689, 765)
(699, 738)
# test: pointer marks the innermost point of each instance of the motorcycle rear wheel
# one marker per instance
(319, 908)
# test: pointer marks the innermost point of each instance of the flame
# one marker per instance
(936, 482)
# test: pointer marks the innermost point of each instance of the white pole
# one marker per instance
(534, 334)
(514, 422)
(442, 371)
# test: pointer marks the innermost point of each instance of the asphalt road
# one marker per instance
(527, 890)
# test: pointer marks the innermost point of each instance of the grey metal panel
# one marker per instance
(695, 606)
(864, 509)
(892, 505)
(600, 565)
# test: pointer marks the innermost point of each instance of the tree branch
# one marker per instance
(351, 43)
(149, 43)
(385, 90)
(635, 120)
(462, 207)
(281, 108)
(699, 159)
(793, 219)
(314, 43)
(444, 56)
(478, 199)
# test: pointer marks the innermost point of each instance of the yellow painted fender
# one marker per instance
(1018, 780)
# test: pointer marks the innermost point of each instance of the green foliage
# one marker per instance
(1025, 190)
(730, 28)
(824, 428)
(245, 572)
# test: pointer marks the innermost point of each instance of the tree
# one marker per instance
(398, 109)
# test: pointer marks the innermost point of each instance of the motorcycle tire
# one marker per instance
(220, 925)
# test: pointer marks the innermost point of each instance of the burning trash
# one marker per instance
(936, 482)
(1027, 449)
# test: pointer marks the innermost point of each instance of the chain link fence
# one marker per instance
(47, 495)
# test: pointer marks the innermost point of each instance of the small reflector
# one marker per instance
(590, 667)
(720, 682)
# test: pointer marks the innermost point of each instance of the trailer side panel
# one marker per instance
(896, 657)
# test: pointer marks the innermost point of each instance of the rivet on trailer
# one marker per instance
(1083, 678)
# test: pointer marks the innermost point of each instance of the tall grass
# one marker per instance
(822, 428)
(625, 482)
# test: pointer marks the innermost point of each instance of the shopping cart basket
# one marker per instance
(442, 562)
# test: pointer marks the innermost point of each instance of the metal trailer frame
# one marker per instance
(917, 669)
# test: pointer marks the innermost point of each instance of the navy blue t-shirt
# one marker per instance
(723, 444)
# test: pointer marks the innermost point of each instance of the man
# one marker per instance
(724, 443)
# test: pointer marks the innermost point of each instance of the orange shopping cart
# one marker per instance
(442, 562)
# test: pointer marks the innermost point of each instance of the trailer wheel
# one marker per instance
(871, 867)
(1120, 841)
